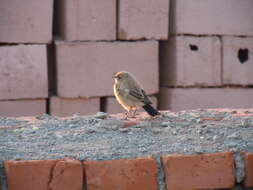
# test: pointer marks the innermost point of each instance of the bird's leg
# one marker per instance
(131, 112)
(127, 114)
(134, 112)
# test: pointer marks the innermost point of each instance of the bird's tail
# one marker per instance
(151, 111)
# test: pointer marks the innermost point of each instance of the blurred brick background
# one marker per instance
(58, 56)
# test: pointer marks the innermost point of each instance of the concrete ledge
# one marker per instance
(198, 141)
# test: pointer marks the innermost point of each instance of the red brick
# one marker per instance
(187, 61)
(143, 19)
(86, 19)
(68, 106)
(248, 157)
(234, 70)
(23, 72)
(92, 65)
(134, 174)
(112, 106)
(15, 108)
(67, 175)
(27, 22)
(209, 17)
(178, 99)
(207, 171)
(28, 175)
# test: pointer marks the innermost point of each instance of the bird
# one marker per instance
(130, 94)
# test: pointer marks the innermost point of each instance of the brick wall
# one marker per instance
(58, 57)
(26, 30)
(206, 171)
(207, 60)
(156, 169)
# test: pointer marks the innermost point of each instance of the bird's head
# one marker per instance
(121, 76)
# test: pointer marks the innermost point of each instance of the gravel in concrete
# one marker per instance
(104, 137)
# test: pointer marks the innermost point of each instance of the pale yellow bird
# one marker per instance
(130, 94)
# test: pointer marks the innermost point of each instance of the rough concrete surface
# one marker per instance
(107, 137)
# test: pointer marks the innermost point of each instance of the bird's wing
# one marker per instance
(140, 95)
(146, 99)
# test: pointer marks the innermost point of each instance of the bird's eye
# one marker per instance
(119, 77)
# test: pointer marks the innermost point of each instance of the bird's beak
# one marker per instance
(114, 75)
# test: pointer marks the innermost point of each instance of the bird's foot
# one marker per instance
(126, 116)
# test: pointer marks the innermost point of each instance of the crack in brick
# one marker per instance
(84, 176)
(57, 173)
(51, 175)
